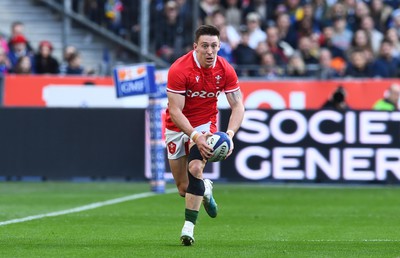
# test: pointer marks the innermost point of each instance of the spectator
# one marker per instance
(185, 14)
(219, 21)
(308, 53)
(44, 62)
(361, 11)
(395, 21)
(171, 39)
(295, 10)
(113, 12)
(367, 24)
(244, 56)
(268, 68)
(262, 48)
(74, 66)
(282, 9)
(390, 101)
(380, 13)
(280, 49)
(321, 10)
(337, 10)
(308, 25)
(325, 70)
(256, 35)
(23, 65)
(386, 66)
(361, 41)
(307, 28)
(351, 13)
(68, 51)
(17, 29)
(342, 36)
(233, 14)
(325, 41)
(225, 46)
(296, 66)
(337, 100)
(4, 43)
(338, 61)
(392, 36)
(358, 66)
(5, 65)
(18, 49)
(286, 31)
(207, 8)
(265, 10)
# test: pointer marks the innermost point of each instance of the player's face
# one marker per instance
(206, 49)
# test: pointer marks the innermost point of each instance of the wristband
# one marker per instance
(193, 135)
(230, 131)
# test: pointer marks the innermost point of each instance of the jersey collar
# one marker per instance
(198, 63)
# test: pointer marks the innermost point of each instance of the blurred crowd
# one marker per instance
(282, 38)
(18, 56)
(322, 39)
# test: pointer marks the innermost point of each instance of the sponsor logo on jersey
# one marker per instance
(202, 94)
(197, 78)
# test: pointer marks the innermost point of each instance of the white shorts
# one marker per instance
(178, 142)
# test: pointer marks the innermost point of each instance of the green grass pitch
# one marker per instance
(253, 221)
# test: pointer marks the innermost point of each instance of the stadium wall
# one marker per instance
(61, 143)
(323, 146)
(85, 131)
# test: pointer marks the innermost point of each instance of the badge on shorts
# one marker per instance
(171, 147)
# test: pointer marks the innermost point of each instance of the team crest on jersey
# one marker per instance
(218, 78)
(197, 78)
(171, 147)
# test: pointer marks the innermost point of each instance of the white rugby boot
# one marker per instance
(187, 233)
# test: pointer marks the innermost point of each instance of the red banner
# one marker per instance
(27, 91)
(361, 94)
(34, 91)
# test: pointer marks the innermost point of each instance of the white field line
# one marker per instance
(85, 207)
(331, 240)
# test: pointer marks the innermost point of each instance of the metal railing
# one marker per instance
(82, 20)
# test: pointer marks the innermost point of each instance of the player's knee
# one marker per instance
(196, 185)
(196, 168)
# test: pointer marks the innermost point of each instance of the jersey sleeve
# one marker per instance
(232, 81)
(176, 80)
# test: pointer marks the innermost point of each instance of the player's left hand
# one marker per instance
(231, 148)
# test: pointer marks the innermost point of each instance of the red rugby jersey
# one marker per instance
(201, 87)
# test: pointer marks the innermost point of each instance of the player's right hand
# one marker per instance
(201, 142)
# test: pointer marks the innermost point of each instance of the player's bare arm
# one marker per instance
(176, 102)
(236, 103)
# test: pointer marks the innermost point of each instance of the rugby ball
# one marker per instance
(221, 143)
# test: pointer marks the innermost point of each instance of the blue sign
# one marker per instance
(134, 80)
(161, 84)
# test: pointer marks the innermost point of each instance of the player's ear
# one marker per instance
(195, 46)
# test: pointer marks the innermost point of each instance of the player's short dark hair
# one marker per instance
(206, 30)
